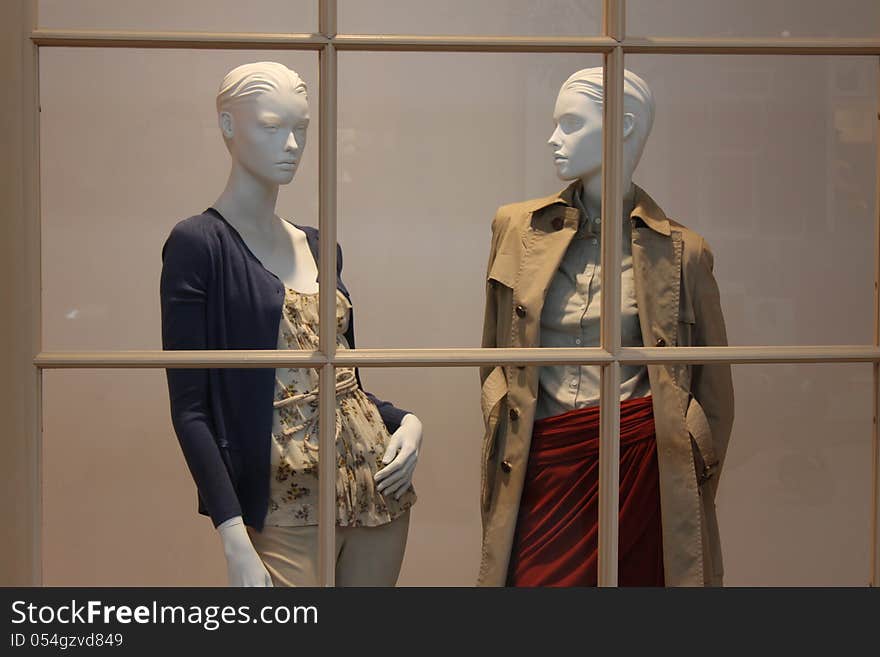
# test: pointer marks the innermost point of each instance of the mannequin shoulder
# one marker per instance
(695, 248)
(311, 237)
(302, 231)
(309, 233)
(299, 236)
(516, 216)
(197, 232)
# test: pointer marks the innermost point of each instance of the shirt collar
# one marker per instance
(591, 224)
(641, 206)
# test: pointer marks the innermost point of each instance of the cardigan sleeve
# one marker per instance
(183, 290)
(391, 415)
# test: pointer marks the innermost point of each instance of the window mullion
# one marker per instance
(33, 250)
(875, 438)
(614, 19)
(612, 237)
(327, 300)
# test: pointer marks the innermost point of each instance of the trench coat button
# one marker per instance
(514, 414)
(506, 467)
(557, 223)
(521, 311)
(661, 342)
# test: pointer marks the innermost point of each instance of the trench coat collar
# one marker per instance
(644, 207)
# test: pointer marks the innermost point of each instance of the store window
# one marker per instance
(415, 142)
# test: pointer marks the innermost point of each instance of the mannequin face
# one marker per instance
(577, 139)
(266, 134)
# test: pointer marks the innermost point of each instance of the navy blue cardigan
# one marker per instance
(216, 294)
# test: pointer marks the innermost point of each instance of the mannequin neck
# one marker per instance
(591, 193)
(248, 202)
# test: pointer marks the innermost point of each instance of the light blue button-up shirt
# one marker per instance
(570, 318)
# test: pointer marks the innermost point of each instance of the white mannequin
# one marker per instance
(265, 128)
(577, 139)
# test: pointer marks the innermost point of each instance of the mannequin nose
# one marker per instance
(291, 144)
(554, 139)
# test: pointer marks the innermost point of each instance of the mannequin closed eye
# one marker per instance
(275, 125)
(570, 123)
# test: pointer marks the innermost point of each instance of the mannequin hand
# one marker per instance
(400, 458)
(243, 565)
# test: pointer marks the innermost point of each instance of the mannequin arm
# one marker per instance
(712, 384)
(183, 287)
(490, 316)
(243, 565)
(400, 458)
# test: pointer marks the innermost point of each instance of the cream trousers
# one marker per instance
(365, 556)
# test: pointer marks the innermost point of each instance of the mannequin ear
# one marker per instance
(629, 124)
(226, 125)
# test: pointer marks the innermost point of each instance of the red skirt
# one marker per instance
(556, 540)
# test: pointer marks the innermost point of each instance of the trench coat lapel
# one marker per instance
(545, 241)
(656, 252)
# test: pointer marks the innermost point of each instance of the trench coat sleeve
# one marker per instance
(186, 271)
(490, 317)
(391, 416)
(712, 385)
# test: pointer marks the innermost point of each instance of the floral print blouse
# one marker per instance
(361, 436)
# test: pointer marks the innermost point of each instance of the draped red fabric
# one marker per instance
(556, 541)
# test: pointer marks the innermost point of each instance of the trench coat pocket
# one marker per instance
(705, 461)
(493, 392)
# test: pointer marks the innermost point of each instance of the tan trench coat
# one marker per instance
(678, 304)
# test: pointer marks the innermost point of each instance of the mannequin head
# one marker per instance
(577, 139)
(263, 112)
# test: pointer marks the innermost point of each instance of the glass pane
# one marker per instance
(297, 16)
(422, 173)
(772, 160)
(794, 498)
(118, 491)
(488, 17)
(754, 18)
(130, 146)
